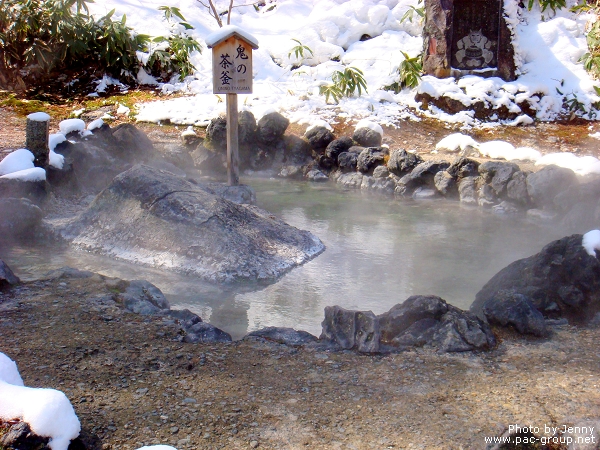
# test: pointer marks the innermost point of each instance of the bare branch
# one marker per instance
(229, 12)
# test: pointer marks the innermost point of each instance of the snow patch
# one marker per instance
(370, 125)
(16, 161)
(455, 142)
(39, 117)
(581, 165)
(98, 123)
(591, 242)
(34, 174)
(70, 125)
(214, 38)
(47, 411)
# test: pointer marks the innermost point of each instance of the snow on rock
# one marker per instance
(16, 161)
(370, 125)
(189, 131)
(157, 447)
(122, 109)
(56, 160)
(456, 142)
(34, 174)
(39, 117)
(591, 242)
(55, 139)
(95, 124)
(505, 150)
(9, 372)
(47, 411)
(581, 165)
(69, 125)
(319, 123)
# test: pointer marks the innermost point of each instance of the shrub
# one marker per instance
(545, 4)
(344, 84)
(410, 73)
(298, 50)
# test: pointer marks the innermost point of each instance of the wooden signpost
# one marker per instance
(232, 74)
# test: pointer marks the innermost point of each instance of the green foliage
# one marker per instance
(591, 59)
(41, 38)
(344, 84)
(410, 73)
(299, 50)
(174, 56)
(545, 4)
(412, 11)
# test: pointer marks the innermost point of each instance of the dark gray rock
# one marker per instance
(316, 176)
(516, 189)
(351, 329)
(298, 151)
(319, 137)
(429, 320)
(351, 180)
(208, 161)
(356, 149)
(463, 167)
(509, 308)
(7, 277)
(423, 193)
(34, 191)
(291, 171)
(381, 172)
(240, 194)
(141, 297)
(347, 161)
(152, 217)
(382, 185)
(486, 195)
(497, 174)
(325, 162)
(402, 162)
(287, 336)
(506, 207)
(445, 183)
(67, 273)
(334, 148)
(467, 190)
(19, 436)
(205, 333)
(422, 175)
(271, 127)
(216, 134)
(19, 218)
(131, 144)
(185, 317)
(366, 137)
(246, 128)
(546, 183)
(561, 281)
(370, 158)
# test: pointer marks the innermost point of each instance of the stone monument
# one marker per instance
(463, 37)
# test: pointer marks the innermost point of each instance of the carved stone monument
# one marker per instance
(464, 37)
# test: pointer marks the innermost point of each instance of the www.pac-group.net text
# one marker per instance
(546, 434)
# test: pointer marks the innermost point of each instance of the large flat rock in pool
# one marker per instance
(152, 217)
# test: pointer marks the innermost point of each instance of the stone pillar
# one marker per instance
(36, 141)
(437, 38)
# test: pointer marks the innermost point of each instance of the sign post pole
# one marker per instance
(233, 175)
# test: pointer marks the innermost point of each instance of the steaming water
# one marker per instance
(379, 252)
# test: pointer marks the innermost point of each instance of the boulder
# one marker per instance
(216, 134)
(209, 162)
(429, 320)
(381, 172)
(367, 137)
(298, 151)
(319, 137)
(141, 297)
(7, 277)
(545, 184)
(445, 183)
(467, 190)
(325, 162)
(205, 333)
(271, 128)
(509, 308)
(240, 194)
(561, 281)
(316, 176)
(382, 185)
(347, 161)
(153, 218)
(20, 436)
(286, 336)
(35, 191)
(516, 189)
(370, 158)
(334, 148)
(422, 175)
(463, 167)
(184, 317)
(19, 218)
(357, 330)
(246, 128)
(402, 162)
(131, 144)
(351, 180)
(497, 174)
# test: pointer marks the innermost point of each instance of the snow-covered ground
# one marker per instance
(548, 47)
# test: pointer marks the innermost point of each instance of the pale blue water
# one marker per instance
(379, 252)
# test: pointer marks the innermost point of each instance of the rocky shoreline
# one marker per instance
(133, 381)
